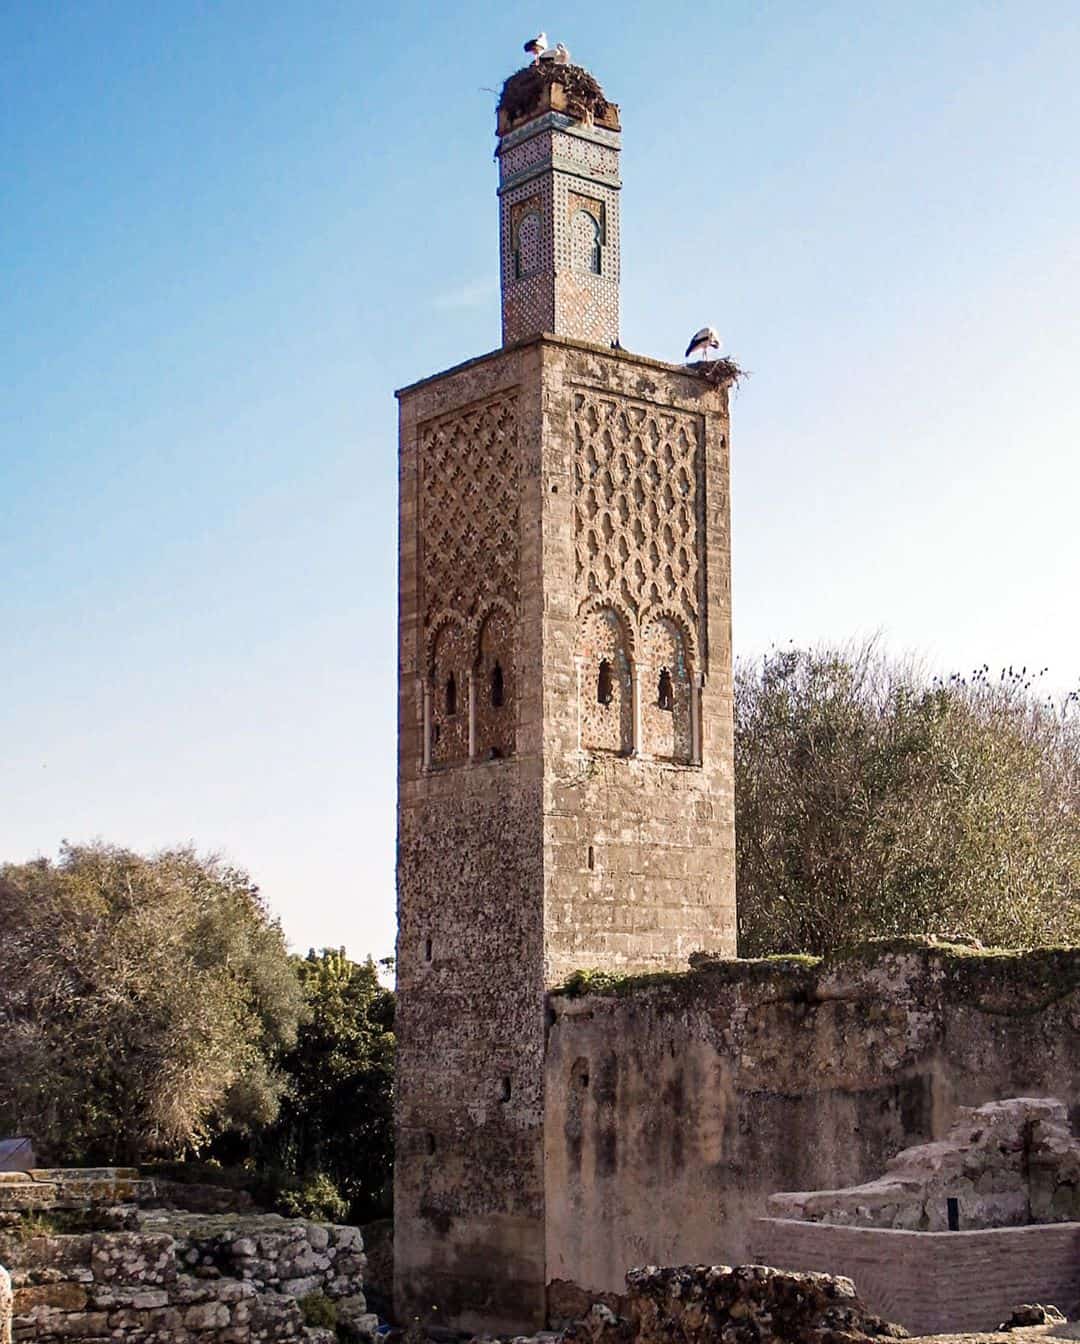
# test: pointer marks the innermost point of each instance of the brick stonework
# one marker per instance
(933, 1282)
(528, 846)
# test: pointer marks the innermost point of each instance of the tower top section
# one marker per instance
(550, 87)
(559, 142)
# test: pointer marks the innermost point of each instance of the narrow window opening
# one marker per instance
(583, 1078)
(952, 1208)
(590, 858)
(605, 690)
(451, 695)
(429, 1144)
(595, 259)
(665, 696)
(497, 686)
(427, 949)
(505, 1094)
(494, 754)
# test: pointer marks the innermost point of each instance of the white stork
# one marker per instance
(536, 46)
(702, 342)
(558, 54)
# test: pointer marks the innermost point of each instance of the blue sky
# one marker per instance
(230, 230)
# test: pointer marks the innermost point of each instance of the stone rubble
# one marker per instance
(751, 1304)
(1032, 1313)
(1007, 1164)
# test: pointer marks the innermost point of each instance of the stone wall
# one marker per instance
(674, 1106)
(935, 1282)
(184, 1278)
(468, 1176)
(639, 868)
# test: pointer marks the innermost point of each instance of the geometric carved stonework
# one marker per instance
(638, 539)
(469, 509)
(468, 541)
(637, 509)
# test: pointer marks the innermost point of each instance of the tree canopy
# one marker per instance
(873, 801)
(336, 1121)
(143, 1003)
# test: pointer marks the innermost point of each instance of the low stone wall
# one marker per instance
(185, 1278)
(933, 1282)
(70, 1188)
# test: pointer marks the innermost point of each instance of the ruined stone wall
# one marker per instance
(638, 799)
(675, 1108)
(186, 1279)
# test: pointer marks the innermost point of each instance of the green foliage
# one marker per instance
(143, 1001)
(318, 1311)
(337, 1121)
(318, 1199)
(871, 801)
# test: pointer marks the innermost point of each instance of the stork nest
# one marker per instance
(584, 96)
(719, 372)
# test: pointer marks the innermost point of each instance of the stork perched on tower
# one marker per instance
(536, 46)
(558, 53)
(702, 342)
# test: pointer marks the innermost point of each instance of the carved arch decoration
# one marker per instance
(447, 692)
(494, 684)
(585, 241)
(667, 691)
(469, 561)
(605, 680)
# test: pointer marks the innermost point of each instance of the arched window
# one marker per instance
(665, 698)
(451, 695)
(604, 687)
(527, 249)
(585, 241)
(606, 705)
(666, 728)
(497, 686)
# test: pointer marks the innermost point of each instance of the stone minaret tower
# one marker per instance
(564, 703)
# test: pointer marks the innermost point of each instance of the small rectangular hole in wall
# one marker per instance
(952, 1207)
(505, 1093)
(429, 1144)
(590, 859)
(427, 949)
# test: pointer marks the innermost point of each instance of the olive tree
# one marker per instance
(143, 1003)
(872, 800)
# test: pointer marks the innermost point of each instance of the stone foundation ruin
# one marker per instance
(957, 1231)
(91, 1259)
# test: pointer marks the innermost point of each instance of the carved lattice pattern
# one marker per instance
(469, 511)
(637, 507)
(469, 575)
